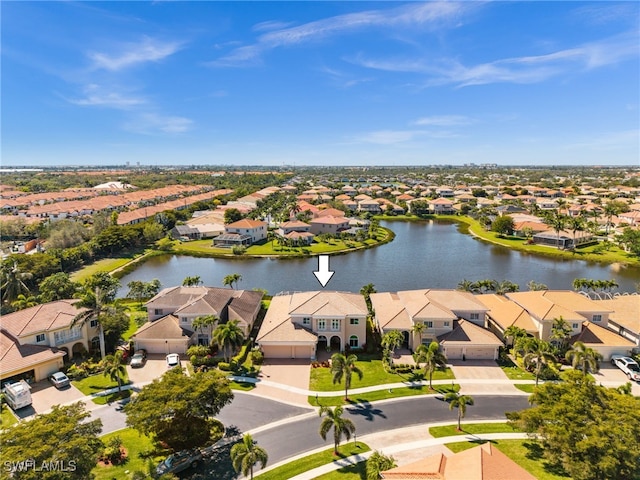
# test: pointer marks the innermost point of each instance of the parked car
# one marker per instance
(628, 365)
(139, 359)
(59, 380)
(173, 360)
(179, 461)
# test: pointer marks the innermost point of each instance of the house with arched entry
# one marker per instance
(35, 341)
(300, 324)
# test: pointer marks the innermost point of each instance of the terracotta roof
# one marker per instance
(330, 220)
(14, 357)
(278, 327)
(484, 462)
(247, 223)
(41, 318)
(593, 335)
(506, 312)
(625, 311)
(331, 212)
(550, 304)
(465, 333)
(167, 328)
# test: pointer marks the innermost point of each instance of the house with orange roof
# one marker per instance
(35, 340)
(298, 324)
(624, 318)
(484, 462)
(256, 230)
(503, 313)
(329, 224)
(603, 340)
(442, 206)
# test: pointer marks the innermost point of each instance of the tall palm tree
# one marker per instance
(114, 368)
(584, 358)
(95, 308)
(515, 333)
(432, 359)
(229, 280)
(192, 281)
(341, 426)
(557, 221)
(366, 292)
(343, 366)
(204, 321)
(575, 224)
(246, 454)
(13, 282)
(561, 330)
(538, 354)
(228, 336)
(460, 402)
(418, 328)
(392, 340)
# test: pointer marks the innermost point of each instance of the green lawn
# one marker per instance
(104, 265)
(516, 373)
(352, 472)
(7, 418)
(527, 387)
(373, 373)
(524, 452)
(383, 395)
(112, 397)
(97, 383)
(244, 386)
(133, 326)
(473, 428)
(312, 461)
(135, 444)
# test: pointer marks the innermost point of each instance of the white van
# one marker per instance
(17, 394)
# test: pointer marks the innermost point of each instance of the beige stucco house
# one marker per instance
(296, 324)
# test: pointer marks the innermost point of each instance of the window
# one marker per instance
(474, 316)
(354, 321)
(446, 323)
(322, 324)
(335, 324)
(429, 324)
(306, 321)
(184, 320)
(157, 311)
(93, 323)
(40, 338)
(597, 318)
(574, 326)
(353, 341)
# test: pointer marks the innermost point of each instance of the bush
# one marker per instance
(238, 249)
(257, 357)
(113, 451)
(75, 372)
(224, 366)
(198, 350)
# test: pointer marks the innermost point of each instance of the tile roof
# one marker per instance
(465, 333)
(14, 357)
(550, 304)
(484, 462)
(278, 327)
(167, 328)
(594, 335)
(41, 318)
(247, 223)
(625, 311)
(506, 312)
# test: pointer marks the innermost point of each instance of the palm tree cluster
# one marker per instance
(586, 284)
(488, 286)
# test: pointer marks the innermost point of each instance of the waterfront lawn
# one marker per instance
(471, 428)
(135, 444)
(364, 399)
(525, 453)
(310, 462)
(373, 373)
(104, 265)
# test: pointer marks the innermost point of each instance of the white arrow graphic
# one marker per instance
(323, 274)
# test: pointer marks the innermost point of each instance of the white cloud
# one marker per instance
(150, 123)
(423, 14)
(444, 121)
(391, 137)
(147, 50)
(96, 96)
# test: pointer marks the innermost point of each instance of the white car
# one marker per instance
(628, 365)
(173, 360)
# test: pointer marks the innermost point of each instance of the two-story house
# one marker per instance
(297, 324)
(34, 341)
(242, 232)
(453, 318)
(329, 224)
(172, 312)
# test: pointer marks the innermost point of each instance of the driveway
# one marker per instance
(611, 376)
(484, 371)
(44, 396)
(154, 368)
(294, 373)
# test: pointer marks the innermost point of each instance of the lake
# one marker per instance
(429, 254)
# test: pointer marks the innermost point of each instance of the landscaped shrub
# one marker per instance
(113, 451)
(198, 350)
(257, 357)
(75, 372)
(238, 250)
(224, 366)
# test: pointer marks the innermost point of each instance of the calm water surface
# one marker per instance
(422, 255)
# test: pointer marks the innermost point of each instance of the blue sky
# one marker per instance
(320, 83)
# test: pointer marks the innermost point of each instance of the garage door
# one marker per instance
(303, 351)
(453, 353)
(480, 353)
(162, 347)
(276, 351)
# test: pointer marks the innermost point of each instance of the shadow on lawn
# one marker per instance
(365, 409)
(536, 452)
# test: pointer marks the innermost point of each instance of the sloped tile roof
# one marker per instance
(14, 357)
(468, 333)
(41, 318)
(625, 311)
(506, 312)
(594, 335)
(167, 328)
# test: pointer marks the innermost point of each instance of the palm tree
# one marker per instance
(392, 340)
(561, 330)
(515, 333)
(417, 329)
(557, 221)
(95, 308)
(575, 224)
(378, 463)
(506, 286)
(205, 321)
(341, 426)
(432, 359)
(538, 354)
(460, 402)
(22, 301)
(13, 282)
(465, 285)
(191, 281)
(246, 454)
(228, 336)
(229, 280)
(343, 366)
(114, 368)
(366, 292)
(584, 358)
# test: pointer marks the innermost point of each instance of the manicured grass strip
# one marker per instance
(527, 388)
(312, 461)
(133, 326)
(516, 373)
(383, 395)
(471, 428)
(135, 444)
(373, 373)
(97, 383)
(112, 397)
(104, 265)
(245, 386)
(525, 453)
(352, 472)
(7, 418)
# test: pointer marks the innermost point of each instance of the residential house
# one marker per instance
(563, 239)
(329, 224)
(483, 462)
(297, 325)
(441, 206)
(441, 312)
(370, 206)
(35, 340)
(243, 232)
(624, 318)
(172, 311)
(504, 313)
